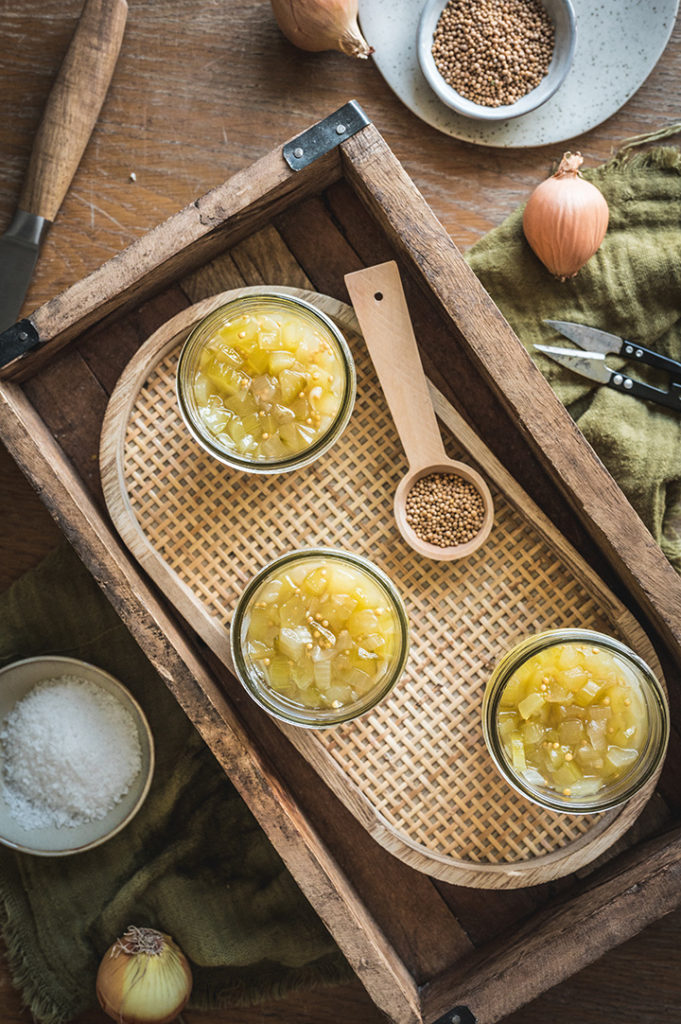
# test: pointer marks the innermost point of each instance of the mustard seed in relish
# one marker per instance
(321, 633)
(573, 719)
(268, 384)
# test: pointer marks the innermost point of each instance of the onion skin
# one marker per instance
(143, 978)
(565, 219)
(316, 25)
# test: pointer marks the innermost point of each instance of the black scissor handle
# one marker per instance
(671, 399)
(637, 353)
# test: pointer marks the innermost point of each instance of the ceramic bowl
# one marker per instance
(561, 14)
(15, 682)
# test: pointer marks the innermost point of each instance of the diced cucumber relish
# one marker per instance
(572, 719)
(321, 632)
(268, 386)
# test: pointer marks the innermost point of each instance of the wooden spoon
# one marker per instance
(381, 309)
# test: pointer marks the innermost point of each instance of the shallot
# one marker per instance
(144, 978)
(565, 219)
(322, 25)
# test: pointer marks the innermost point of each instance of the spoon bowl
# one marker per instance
(423, 547)
(383, 316)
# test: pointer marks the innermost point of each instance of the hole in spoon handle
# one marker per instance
(378, 299)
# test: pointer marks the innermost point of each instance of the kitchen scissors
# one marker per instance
(591, 363)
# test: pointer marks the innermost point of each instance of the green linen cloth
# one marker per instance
(193, 863)
(631, 287)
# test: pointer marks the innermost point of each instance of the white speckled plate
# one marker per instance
(618, 44)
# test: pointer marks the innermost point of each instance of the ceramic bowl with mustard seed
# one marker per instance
(494, 60)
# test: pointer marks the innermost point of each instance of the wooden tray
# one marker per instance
(414, 771)
(420, 945)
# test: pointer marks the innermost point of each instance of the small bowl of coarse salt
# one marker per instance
(76, 756)
(496, 59)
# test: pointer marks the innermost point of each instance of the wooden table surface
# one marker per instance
(202, 89)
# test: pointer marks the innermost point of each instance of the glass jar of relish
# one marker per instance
(319, 636)
(575, 721)
(266, 383)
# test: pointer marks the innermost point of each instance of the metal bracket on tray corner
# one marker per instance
(457, 1015)
(325, 136)
(17, 340)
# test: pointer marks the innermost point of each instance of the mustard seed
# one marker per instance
(444, 509)
(493, 52)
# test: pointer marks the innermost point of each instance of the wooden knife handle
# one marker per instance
(73, 106)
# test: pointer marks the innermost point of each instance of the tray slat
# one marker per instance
(415, 770)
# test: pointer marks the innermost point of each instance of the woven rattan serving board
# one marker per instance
(415, 770)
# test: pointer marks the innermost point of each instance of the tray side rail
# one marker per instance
(328, 889)
(396, 204)
(190, 238)
(632, 892)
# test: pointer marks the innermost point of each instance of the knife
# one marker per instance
(593, 366)
(70, 114)
(594, 340)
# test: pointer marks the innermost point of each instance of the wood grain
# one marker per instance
(205, 227)
(200, 92)
(381, 309)
(547, 427)
(172, 654)
(492, 980)
(204, 601)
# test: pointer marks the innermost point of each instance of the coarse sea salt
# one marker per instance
(70, 752)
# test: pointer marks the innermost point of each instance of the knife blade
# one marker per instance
(594, 340)
(18, 256)
(70, 114)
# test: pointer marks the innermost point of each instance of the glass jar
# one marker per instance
(263, 305)
(323, 573)
(578, 736)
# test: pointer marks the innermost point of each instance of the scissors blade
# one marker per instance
(589, 364)
(589, 338)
